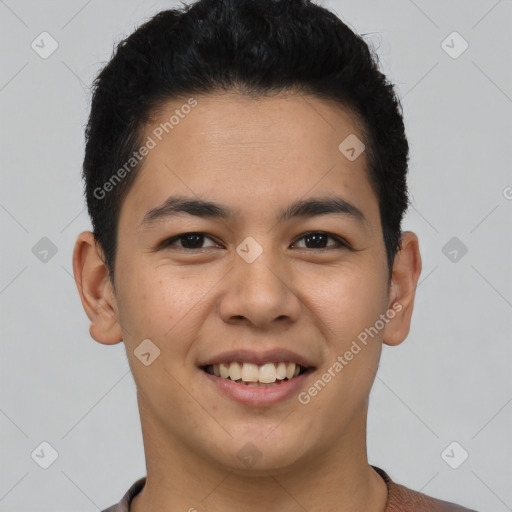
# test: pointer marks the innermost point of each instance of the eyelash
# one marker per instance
(342, 244)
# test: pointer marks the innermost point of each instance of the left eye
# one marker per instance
(316, 240)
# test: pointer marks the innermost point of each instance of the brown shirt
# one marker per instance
(400, 499)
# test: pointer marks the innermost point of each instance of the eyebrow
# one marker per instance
(178, 205)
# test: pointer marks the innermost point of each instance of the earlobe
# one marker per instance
(95, 289)
(404, 280)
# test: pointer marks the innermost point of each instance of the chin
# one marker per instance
(262, 451)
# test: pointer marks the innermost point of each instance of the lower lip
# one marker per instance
(258, 396)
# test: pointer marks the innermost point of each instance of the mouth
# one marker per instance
(257, 378)
(269, 374)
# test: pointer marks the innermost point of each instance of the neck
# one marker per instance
(179, 478)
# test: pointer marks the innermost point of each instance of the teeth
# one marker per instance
(250, 372)
(223, 369)
(267, 373)
(281, 371)
(290, 371)
(235, 371)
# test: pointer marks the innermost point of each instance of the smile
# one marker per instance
(251, 374)
(257, 385)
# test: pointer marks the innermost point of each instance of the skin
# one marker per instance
(255, 156)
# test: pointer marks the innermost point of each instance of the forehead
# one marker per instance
(231, 123)
(251, 153)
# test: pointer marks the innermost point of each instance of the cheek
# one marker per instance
(347, 300)
(161, 302)
(147, 303)
(349, 307)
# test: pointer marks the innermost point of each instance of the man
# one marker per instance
(245, 175)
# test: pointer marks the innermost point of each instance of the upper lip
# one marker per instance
(275, 355)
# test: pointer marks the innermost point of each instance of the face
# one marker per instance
(255, 281)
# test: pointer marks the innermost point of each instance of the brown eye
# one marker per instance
(187, 241)
(319, 239)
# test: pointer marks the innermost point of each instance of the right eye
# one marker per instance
(189, 241)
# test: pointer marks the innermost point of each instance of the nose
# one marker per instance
(259, 293)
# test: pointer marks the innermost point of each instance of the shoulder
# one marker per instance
(403, 499)
(124, 504)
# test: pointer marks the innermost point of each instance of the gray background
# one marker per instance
(451, 379)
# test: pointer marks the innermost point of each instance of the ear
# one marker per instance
(404, 279)
(96, 290)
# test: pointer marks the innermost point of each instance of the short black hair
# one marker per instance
(257, 48)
